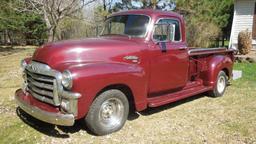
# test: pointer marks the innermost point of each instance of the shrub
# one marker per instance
(244, 42)
(201, 34)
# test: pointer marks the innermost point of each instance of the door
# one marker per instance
(169, 59)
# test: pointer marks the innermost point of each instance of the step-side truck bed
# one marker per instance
(204, 63)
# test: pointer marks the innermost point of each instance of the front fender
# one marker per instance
(215, 65)
(90, 79)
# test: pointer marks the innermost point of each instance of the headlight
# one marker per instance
(23, 64)
(67, 79)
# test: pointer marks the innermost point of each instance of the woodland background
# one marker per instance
(35, 22)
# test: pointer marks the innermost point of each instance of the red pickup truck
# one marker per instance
(140, 60)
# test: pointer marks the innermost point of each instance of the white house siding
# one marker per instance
(243, 19)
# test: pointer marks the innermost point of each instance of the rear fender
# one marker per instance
(215, 65)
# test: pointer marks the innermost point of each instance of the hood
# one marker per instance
(87, 51)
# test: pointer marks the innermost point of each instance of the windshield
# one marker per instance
(129, 25)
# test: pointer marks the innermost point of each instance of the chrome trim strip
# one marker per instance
(204, 49)
(39, 91)
(39, 78)
(70, 95)
(56, 97)
(41, 98)
(41, 85)
(53, 118)
(58, 92)
(45, 70)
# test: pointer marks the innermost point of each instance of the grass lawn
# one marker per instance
(200, 119)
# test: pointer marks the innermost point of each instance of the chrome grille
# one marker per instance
(41, 83)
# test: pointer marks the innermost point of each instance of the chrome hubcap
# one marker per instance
(111, 112)
(221, 84)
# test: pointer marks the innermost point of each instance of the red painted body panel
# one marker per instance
(215, 64)
(97, 63)
(90, 79)
(169, 70)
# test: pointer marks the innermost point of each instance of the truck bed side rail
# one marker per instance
(204, 51)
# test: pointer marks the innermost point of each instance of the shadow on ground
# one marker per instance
(49, 129)
(64, 131)
(151, 111)
(4, 51)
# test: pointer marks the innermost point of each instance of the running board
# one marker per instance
(165, 99)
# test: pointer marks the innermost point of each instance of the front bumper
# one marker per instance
(57, 118)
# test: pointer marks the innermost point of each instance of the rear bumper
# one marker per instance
(49, 117)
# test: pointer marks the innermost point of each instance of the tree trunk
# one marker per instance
(223, 40)
(105, 8)
(10, 41)
(104, 5)
(4, 36)
(51, 34)
(51, 28)
(154, 3)
(7, 38)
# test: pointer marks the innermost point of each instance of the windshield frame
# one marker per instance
(141, 36)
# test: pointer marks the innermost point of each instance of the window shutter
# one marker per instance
(254, 23)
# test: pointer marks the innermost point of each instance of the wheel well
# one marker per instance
(126, 90)
(226, 72)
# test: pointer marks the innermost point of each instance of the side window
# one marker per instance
(161, 32)
(117, 28)
(175, 34)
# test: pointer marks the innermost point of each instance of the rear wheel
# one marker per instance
(108, 112)
(220, 85)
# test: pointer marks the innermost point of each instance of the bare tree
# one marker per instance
(53, 11)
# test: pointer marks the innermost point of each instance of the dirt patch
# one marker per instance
(9, 50)
(4, 51)
(250, 58)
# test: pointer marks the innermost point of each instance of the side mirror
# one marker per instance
(162, 34)
(172, 32)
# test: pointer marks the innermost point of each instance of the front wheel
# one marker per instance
(108, 112)
(220, 85)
